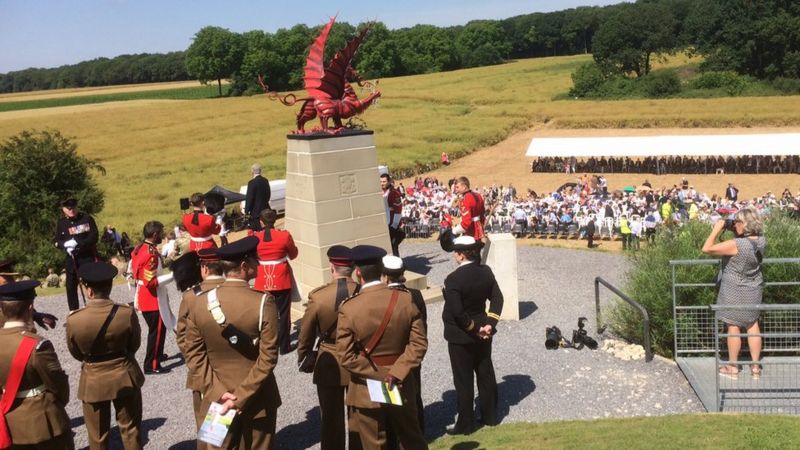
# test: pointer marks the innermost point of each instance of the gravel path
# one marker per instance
(535, 385)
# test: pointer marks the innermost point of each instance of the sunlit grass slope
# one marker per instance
(158, 151)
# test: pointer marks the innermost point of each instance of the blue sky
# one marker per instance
(50, 33)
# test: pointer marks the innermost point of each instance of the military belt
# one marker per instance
(103, 358)
(385, 360)
(32, 392)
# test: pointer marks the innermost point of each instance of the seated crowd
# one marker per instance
(427, 206)
(670, 164)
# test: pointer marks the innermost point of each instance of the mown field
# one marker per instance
(189, 93)
(156, 151)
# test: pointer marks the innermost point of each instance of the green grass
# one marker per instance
(193, 93)
(689, 431)
(156, 153)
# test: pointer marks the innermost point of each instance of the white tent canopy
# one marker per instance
(685, 145)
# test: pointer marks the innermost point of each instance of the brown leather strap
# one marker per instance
(376, 337)
(385, 360)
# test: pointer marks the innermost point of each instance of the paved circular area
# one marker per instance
(535, 385)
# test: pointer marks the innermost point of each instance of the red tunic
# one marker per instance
(394, 206)
(144, 265)
(274, 271)
(202, 233)
(473, 214)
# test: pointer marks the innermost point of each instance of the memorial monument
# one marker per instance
(333, 193)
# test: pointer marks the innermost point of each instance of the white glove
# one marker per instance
(70, 250)
(458, 230)
(70, 244)
(220, 217)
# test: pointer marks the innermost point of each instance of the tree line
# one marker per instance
(759, 39)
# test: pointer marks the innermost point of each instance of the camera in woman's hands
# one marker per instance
(730, 225)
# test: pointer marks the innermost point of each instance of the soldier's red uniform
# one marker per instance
(394, 206)
(145, 264)
(274, 272)
(201, 233)
(473, 215)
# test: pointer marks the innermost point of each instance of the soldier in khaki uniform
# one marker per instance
(195, 273)
(104, 336)
(36, 417)
(232, 338)
(319, 322)
(400, 349)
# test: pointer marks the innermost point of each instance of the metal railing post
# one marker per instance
(648, 350)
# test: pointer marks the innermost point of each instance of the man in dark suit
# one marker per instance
(468, 330)
(590, 230)
(732, 193)
(257, 198)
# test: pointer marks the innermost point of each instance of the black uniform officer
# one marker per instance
(76, 234)
(468, 330)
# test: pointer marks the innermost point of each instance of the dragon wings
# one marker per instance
(322, 82)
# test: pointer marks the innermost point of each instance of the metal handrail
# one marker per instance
(648, 350)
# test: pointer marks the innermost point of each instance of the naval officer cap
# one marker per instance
(339, 255)
(365, 255)
(97, 272)
(69, 202)
(465, 243)
(186, 271)
(392, 265)
(239, 250)
(18, 291)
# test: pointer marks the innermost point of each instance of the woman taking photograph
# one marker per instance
(741, 284)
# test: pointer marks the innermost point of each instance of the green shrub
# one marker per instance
(37, 171)
(587, 80)
(731, 82)
(649, 279)
(662, 83)
(788, 86)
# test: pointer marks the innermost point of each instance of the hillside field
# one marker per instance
(156, 151)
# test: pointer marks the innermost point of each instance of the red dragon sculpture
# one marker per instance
(330, 95)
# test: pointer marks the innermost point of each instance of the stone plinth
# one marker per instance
(333, 196)
(501, 256)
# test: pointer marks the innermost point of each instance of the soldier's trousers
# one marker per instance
(253, 434)
(331, 406)
(129, 419)
(72, 264)
(372, 426)
(156, 334)
(283, 299)
(62, 442)
(466, 360)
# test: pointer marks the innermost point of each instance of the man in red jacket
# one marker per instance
(145, 264)
(275, 249)
(473, 211)
(394, 208)
(201, 226)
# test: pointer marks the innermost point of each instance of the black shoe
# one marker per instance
(163, 357)
(457, 430)
(157, 371)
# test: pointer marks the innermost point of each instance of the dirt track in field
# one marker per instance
(506, 162)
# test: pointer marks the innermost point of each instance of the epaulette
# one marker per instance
(197, 289)
(42, 342)
(74, 311)
(355, 294)
(400, 288)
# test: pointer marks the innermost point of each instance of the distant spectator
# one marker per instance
(445, 159)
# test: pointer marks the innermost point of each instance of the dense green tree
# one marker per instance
(37, 171)
(632, 35)
(379, 55)
(759, 38)
(215, 53)
(426, 49)
(482, 43)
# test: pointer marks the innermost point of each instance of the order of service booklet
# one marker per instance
(379, 392)
(215, 426)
